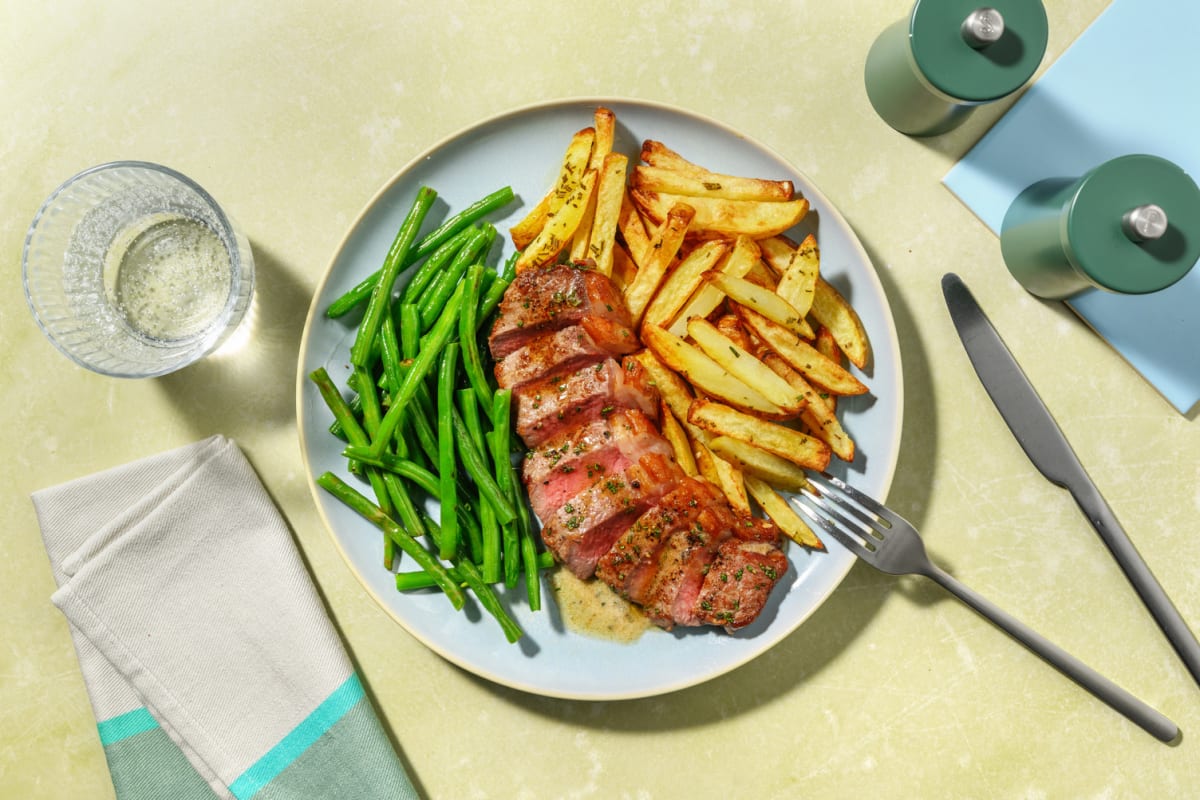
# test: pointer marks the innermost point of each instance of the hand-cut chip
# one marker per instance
(732, 481)
(570, 172)
(801, 355)
(682, 282)
(744, 366)
(610, 192)
(623, 268)
(818, 416)
(662, 159)
(705, 374)
(709, 184)
(672, 388)
(798, 283)
(731, 217)
(802, 450)
(604, 121)
(777, 252)
(778, 472)
(731, 327)
(831, 310)
(827, 347)
(766, 302)
(556, 235)
(662, 252)
(780, 511)
(720, 472)
(741, 259)
(677, 437)
(633, 230)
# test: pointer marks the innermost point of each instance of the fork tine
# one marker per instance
(825, 522)
(833, 487)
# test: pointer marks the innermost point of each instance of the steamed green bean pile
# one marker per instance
(422, 418)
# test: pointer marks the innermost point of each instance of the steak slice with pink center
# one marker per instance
(566, 465)
(550, 406)
(562, 351)
(632, 564)
(585, 527)
(545, 300)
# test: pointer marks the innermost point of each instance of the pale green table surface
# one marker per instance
(294, 114)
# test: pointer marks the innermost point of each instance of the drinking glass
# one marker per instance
(133, 270)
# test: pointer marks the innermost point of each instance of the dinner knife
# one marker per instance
(1043, 441)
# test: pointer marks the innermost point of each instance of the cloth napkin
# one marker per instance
(211, 665)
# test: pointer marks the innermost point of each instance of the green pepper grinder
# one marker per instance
(927, 72)
(1131, 226)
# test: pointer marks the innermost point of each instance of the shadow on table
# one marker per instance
(250, 382)
(832, 628)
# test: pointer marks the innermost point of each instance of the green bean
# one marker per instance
(488, 523)
(438, 337)
(478, 468)
(372, 513)
(410, 581)
(380, 302)
(502, 463)
(447, 463)
(428, 244)
(410, 330)
(432, 301)
(435, 264)
(468, 335)
(483, 592)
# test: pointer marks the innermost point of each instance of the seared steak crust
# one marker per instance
(603, 481)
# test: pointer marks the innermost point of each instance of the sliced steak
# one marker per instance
(550, 406)
(567, 464)
(565, 350)
(585, 527)
(632, 563)
(541, 300)
(738, 582)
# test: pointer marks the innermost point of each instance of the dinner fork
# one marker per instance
(888, 542)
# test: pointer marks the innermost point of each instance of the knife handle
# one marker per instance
(1161, 608)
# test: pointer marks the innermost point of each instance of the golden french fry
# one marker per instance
(610, 191)
(570, 172)
(781, 512)
(662, 252)
(797, 285)
(777, 252)
(633, 230)
(583, 231)
(752, 218)
(831, 310)
(730, 326)
(557, 233)
(663, 159)
(721, 420)
(709, 184)
(740, 260)
(801, 355)
(744, 366)
(818, 416)
(682, 282)
(672, 388)
(604, 121)
(779, 472)
(828, 347)
(623, 268)
(675, 435)
(731, 479)
(706, 374)
(766, 302)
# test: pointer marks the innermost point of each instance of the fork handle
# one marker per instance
(1117, 698)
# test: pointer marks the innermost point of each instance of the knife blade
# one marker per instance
(1043, 441)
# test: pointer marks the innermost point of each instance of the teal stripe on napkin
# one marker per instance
(125, 725)
(302, 737)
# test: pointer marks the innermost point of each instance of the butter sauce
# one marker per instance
(594, 609)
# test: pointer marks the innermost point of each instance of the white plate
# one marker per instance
(522, 149)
